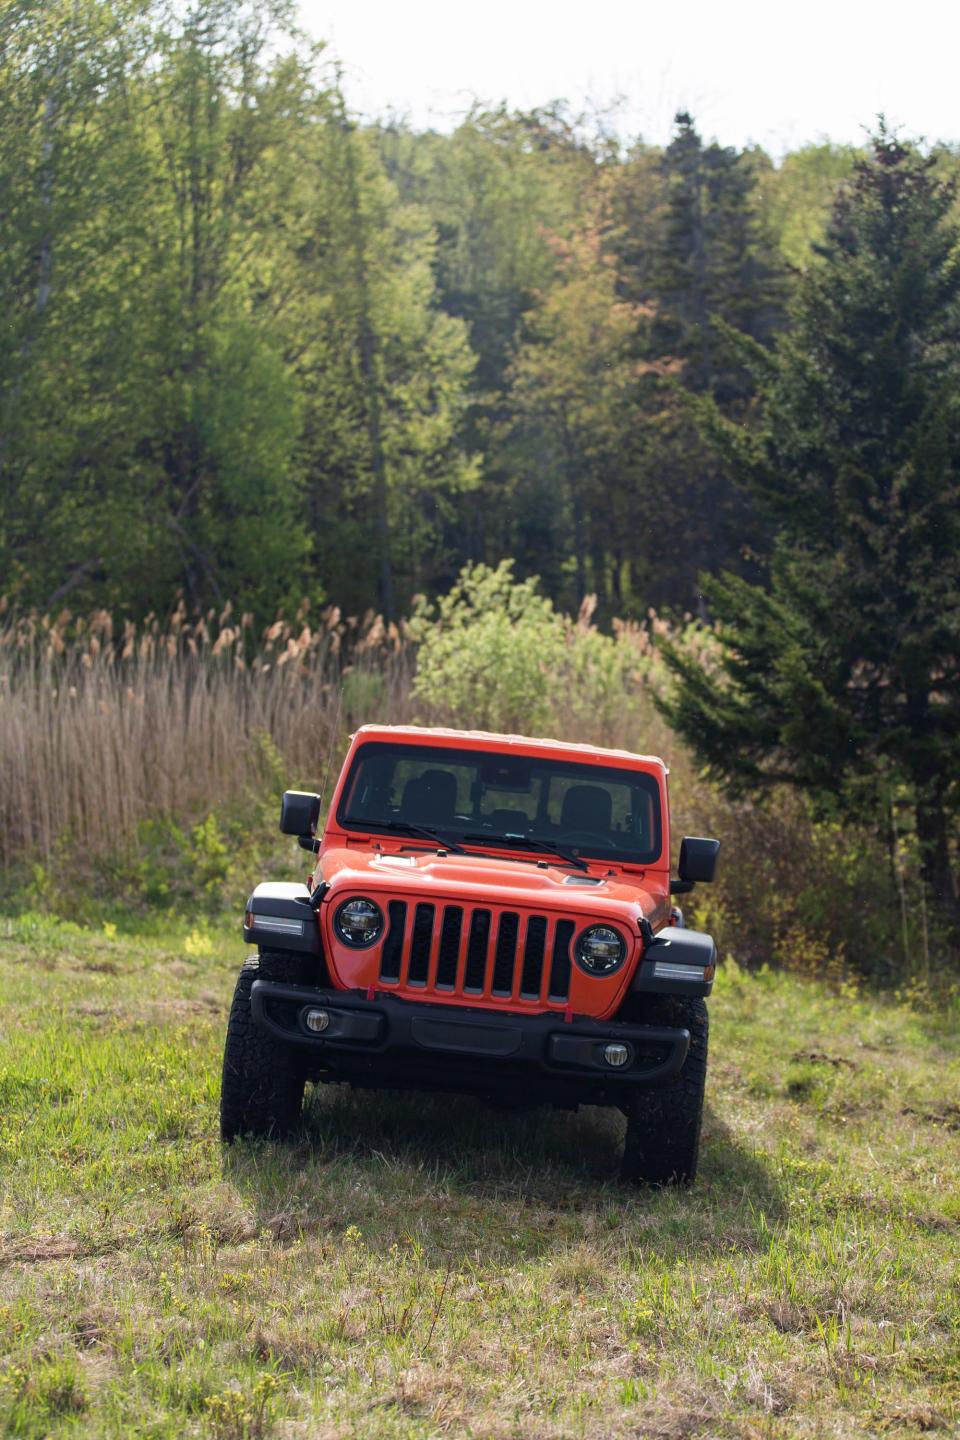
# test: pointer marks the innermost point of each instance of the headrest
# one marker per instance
(587, 807)
(431, 798)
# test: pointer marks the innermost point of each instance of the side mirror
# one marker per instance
(300, 814)
(698, 861)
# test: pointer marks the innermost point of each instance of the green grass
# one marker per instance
(425, 1267)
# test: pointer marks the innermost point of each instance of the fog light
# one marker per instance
(616, 1055)
(317, 1020)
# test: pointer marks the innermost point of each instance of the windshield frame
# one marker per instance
(586, 771)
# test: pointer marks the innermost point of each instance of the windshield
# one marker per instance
(481, 797)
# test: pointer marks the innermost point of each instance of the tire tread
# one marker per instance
(263, 1081)
(663, 1124)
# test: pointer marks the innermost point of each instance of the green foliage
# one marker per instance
(199, 257)
(838, 675)
(573, 441)
(696, 255)
(495, 655)
(716, 260)
(797, 197)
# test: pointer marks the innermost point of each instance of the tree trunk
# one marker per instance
(933, 834)
(577, 515)
(367, 350)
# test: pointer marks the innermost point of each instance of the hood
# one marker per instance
(526, 880)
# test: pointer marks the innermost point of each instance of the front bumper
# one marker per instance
(392, 1043)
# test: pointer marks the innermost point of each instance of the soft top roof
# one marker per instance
(487, 740)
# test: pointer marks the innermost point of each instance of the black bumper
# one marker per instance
(391, 1043)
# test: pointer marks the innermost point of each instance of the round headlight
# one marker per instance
(600, 950)
(358, 923)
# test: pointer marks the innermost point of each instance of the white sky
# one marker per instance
(775, 73)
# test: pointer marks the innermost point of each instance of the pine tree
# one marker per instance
(716, 259)
(841, 674)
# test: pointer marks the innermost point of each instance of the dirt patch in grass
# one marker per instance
(817, 1057)
(946, 1114)
(32, 1249)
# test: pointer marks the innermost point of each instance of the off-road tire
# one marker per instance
(663, 1123)
(263, 1078)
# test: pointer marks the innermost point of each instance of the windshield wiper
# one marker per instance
(546, 846)
(404, 827)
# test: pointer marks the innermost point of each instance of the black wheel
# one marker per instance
(663, 1123)
(263, 1079)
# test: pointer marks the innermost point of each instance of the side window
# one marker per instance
(369, 795)
(621, 797)
(642, 826)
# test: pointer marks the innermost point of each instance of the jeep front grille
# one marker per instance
(458, 951)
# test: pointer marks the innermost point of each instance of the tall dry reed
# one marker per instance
(103, 728)
(100, 729)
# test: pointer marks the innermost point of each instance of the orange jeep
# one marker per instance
(487, 914)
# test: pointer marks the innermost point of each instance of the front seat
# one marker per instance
(431, 799)
(587, 807)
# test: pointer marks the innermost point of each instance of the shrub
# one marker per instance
(495, 655)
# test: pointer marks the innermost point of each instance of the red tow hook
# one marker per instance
(371, 992)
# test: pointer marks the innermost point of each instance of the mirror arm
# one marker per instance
(682, 887)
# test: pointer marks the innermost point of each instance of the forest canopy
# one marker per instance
(257, 350)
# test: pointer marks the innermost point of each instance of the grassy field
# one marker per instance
(416, 1267)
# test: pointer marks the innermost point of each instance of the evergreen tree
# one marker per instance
(716, 260)
(694, 250)
(841, 674)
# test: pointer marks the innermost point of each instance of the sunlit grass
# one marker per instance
(416, 1266)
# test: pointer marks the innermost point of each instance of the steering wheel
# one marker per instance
(588, 837)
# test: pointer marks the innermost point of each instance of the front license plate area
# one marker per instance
(465, 1039)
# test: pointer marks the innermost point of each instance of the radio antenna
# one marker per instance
(334, 735)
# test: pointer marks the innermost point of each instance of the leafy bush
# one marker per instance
(495, 655)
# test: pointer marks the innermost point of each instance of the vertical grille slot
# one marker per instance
(476, 970)
(506, 953)
(420, 945)
(560, 962)
(526, 953)
(532, 977)
(449, 947)
(392, 951)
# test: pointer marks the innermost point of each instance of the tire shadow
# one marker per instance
(460, 1177)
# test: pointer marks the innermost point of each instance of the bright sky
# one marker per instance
(749, 70)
